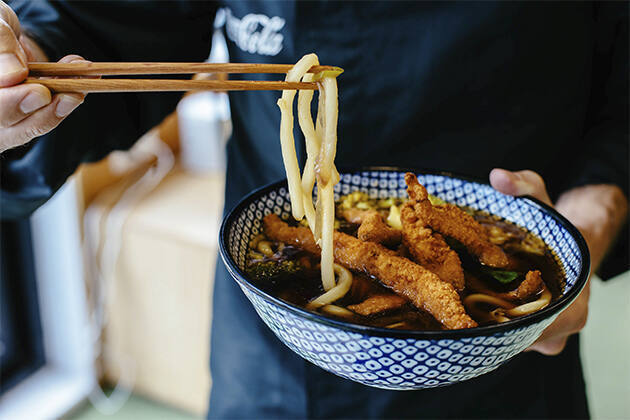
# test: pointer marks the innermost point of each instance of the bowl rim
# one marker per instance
(553, 309)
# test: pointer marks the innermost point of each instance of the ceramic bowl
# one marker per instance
(399, 359)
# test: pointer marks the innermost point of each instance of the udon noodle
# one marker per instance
(505, 310)
(321, 145)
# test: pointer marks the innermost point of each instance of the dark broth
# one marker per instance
(299, 288)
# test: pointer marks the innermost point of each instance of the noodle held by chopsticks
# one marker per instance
(327, 177)
(313, 143)
(321, 144)
(327, 203)
(287, 141)
(328, 150)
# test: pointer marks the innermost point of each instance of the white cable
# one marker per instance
(102, 269)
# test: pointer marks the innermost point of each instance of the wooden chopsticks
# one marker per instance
(43, 71)
(103, 69)
(160, 85)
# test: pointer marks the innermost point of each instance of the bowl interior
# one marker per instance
(383, 183)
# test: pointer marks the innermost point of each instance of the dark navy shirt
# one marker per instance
(462, 87)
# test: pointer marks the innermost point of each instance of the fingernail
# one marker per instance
(66, 105)
(9, 63)
(33, 101)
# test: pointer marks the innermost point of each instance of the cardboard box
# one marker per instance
(158, 294)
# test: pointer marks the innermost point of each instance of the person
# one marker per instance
(539, 89)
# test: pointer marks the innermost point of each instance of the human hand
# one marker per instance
(571, 320)
(26, 110)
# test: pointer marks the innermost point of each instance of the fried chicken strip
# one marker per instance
(422, 287)
(377, 304)
(362, 285)
(529, 287)
(430, 250)
(355, 215)
(403, 251)
(374, 229)
(451, 221)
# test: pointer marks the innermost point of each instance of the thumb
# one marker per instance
(13, 67)
(519, 183)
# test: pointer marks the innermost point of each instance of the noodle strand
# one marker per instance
(504, 309)
(326, 242)
(337, 292)
(528, 308)
(329, 143)
(326, 174)
(313, 143)
(287, 142)
(337, 311)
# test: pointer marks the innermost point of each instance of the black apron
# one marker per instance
(458, 87)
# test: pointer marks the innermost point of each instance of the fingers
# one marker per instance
(8, 15)
(554, 338)
(551, 347)
(519, 183)
(40, 122)
(28, 111)
(32, 50)
(68, 102)
(571, 321)
(71, 58)
(17, 102)
(13, 59)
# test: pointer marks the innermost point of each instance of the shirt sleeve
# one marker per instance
(603, 152)
(99, 31)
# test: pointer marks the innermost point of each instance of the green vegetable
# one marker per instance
(272, 270)
(502, 276)
(436, 201)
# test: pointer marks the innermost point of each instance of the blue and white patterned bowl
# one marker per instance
(399, 359)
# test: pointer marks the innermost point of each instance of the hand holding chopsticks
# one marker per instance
(82, 85)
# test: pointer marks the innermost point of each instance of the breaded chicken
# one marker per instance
(529, 287)
(422, 287)
(363, 285)
(403, 251)
(377, 304)
(374, 229)
(354, 215)
(430, 250)
(451, 221)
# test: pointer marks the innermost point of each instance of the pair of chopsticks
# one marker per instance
(41, 73)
